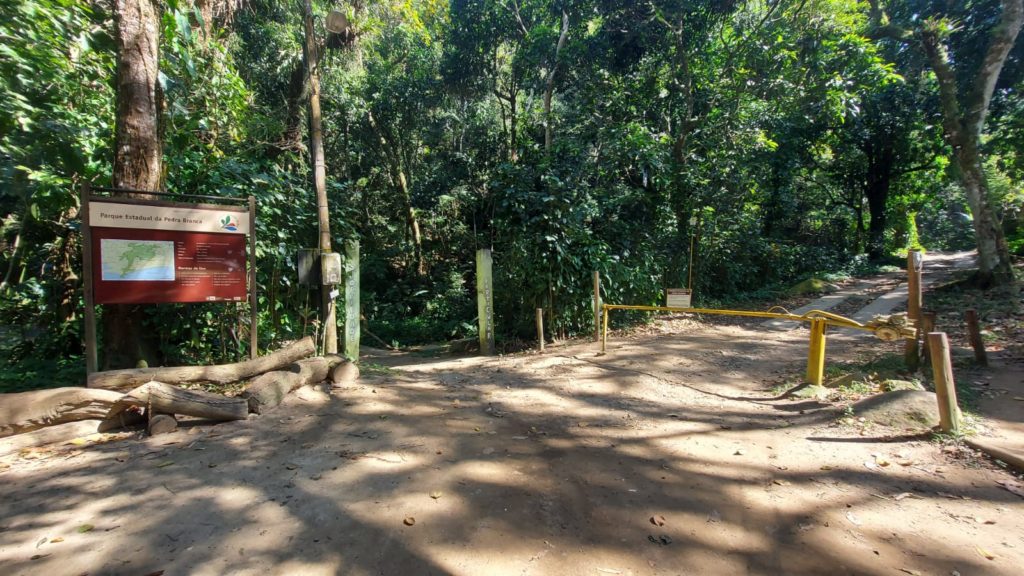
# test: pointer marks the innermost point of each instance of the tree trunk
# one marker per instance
(549, 87)
(158, 397)
(269, 390)
(50, 435)
(222, 374)
(27, 411)
(328, 312)
(880, 156)
(137, 155)
(994, 263)
(963, 127)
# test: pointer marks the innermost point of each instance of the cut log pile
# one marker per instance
(120, 398)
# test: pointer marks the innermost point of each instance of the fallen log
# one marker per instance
(28, 411)
(161, 424)
(268, 390)
(51, 435)
(344, 373)
(167, 399)
(220, 374)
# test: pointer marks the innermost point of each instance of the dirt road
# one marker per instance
(527, 464)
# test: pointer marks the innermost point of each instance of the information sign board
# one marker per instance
(135, 266)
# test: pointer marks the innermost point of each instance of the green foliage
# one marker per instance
(765, 124)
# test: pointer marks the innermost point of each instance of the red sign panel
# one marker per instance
(133, 266)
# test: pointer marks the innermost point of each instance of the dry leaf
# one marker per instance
(911, 572)
(409, 521)
(85, 528)
(435, 494)
(658, 520)
(988, 555)
(826, 468)
(56, 540)
(853, 519)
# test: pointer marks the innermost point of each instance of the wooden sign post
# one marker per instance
(485, 300)
(142, 251)
(915, 262)
(597, 306)
(352, 300)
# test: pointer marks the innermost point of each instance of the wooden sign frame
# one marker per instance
(247, 227)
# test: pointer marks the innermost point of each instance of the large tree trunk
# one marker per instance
(269, 390)
(158, 397)
(880, 156)
(963, 126)
(221, 374)
(50, 435)
(994, 263)
(27, 411)
(137, 156)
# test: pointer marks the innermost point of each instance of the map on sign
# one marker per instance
(137, 259)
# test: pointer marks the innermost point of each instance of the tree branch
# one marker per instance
(1003, 36)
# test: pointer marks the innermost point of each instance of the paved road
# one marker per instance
(936, 266)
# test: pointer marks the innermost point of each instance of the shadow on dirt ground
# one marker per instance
(665, 456)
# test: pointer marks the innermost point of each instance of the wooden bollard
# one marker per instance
(915, 262)
(597, 306)
(927, 327)
(945, 385)
(974, 336)
(540, 329)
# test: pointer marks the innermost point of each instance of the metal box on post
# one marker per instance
(330, 268)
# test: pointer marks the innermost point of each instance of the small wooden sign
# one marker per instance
(678, 297)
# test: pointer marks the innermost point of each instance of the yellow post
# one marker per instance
(816, 354)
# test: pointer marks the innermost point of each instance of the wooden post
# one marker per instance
(816, 353)
(914, 264)
(253, 317)
(91, 355)
(927, 327)
(974, 336)
(352, 317)
(540, 329)
(597, 306)
(485, 300)
(945, 385)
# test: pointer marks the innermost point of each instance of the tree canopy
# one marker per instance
(783, 138)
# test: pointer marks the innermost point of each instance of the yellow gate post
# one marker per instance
(816, 354)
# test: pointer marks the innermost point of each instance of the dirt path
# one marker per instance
(533, 464)
(530, 464)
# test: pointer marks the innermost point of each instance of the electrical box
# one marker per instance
(330, 268)
(309, 271)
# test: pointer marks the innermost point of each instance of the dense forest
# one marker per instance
(782, 138)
